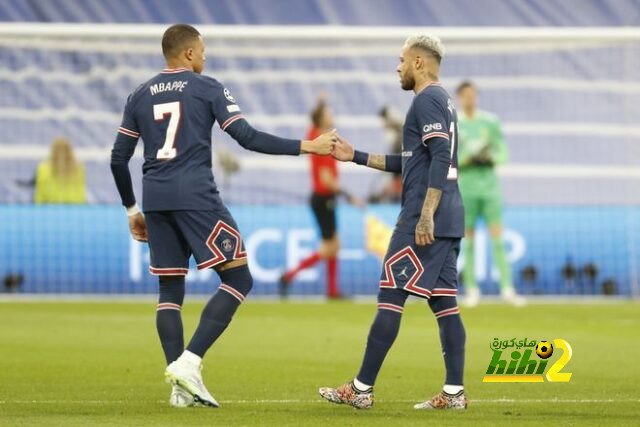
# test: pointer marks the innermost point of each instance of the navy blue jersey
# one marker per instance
(174, 113)
(430, 159)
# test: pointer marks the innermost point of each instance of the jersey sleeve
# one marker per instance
(129, 126)
(393, 163)
(228, 115)
(224, 106)
(123, 149)
(433, 121)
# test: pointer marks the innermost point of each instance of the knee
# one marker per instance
(249, 283)
(245, 280)
(238, 278)
(171, 289)
(442, 306)
(392, 296)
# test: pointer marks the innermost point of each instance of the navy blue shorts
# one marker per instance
(424, 271)
(212, 237)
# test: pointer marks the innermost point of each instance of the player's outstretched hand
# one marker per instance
(138, 227)
(323, 144)
(342, 150)
(424, 231)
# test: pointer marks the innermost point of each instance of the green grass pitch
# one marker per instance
(101, 364)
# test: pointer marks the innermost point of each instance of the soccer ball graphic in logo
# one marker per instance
(228, 95)
(544, 349)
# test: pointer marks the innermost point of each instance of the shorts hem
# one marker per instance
(170, 271)
(210, 263)
(444, 292)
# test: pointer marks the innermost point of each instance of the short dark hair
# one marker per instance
(464, 85)
(176, 37)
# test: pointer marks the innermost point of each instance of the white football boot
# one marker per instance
(189, 377)
(180, 398)
(472, 297)
(510, 296)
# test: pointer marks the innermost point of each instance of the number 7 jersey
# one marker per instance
(173, 113)
(430, 159)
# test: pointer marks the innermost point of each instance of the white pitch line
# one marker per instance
(319, 400)
(503, 400)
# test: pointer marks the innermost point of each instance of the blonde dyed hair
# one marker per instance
(428, 43)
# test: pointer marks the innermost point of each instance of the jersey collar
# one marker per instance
(427, 86)
(174, 70)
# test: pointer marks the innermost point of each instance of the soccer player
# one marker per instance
(326, 188)
(482, 147)
(424, 247)
(173, 113)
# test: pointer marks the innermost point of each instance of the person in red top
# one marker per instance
(326, 187)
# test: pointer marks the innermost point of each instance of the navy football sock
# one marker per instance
(382, 334)
(168, 316)
(452, 337)
(217, 314)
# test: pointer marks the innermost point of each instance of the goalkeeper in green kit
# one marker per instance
(481, 149)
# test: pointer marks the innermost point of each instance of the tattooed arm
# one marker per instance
(438, 170)
(383, 162)
(440, 149)
(344, 152)
(425, 226)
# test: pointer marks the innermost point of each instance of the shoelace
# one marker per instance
(346, 391)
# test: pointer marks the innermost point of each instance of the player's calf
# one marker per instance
(382, 334)
(452, 338)
(384, 330)
(168, 316)
(217, 314)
